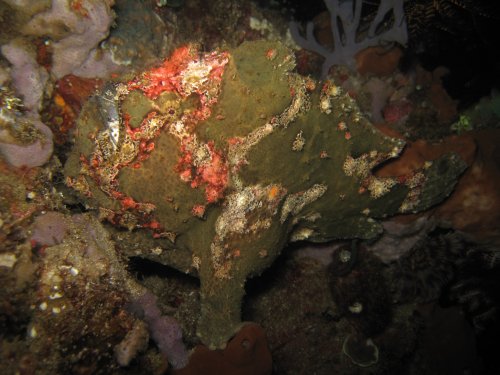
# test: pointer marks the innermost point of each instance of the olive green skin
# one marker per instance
(258, 87)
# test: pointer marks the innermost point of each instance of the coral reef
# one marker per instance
(80, 271)
(58, 37)
(175, 200)
(78, 281)
(139, 37)
(236, 189)
(476, 197)
(345, 21)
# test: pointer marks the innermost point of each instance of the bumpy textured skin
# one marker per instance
(247, 156)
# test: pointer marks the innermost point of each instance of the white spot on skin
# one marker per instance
(299, 142)
(380, 186)
(196, 262)
(301, 234)
(325, 106)
(294, 203)
(157, 250)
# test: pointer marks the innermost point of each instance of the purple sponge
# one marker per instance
(164, 330)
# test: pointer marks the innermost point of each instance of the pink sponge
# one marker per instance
(31, 155)
(49, 229)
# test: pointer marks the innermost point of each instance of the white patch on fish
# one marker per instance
(108, 104)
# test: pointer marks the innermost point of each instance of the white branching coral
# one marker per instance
(388, 25)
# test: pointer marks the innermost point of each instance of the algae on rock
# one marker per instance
(227, 156)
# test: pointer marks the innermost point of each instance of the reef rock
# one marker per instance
(224, 157)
